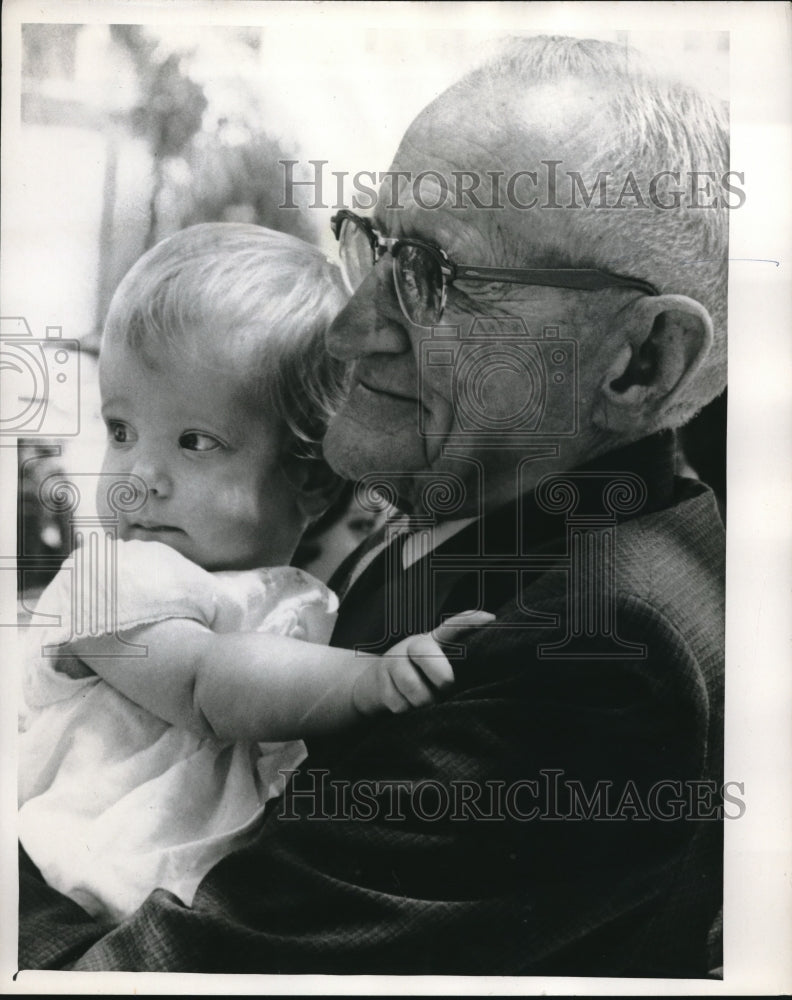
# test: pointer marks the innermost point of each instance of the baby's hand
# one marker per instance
(412, 671)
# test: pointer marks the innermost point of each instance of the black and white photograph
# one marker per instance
(395, 441)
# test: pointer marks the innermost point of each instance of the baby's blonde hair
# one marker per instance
(260, 301)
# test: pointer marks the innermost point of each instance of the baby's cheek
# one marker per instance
(110, 474)
(237, 509)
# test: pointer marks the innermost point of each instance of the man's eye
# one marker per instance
(196, 441)
(118, 432)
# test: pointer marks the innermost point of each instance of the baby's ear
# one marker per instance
(315, 484)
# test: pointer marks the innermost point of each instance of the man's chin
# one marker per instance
(353, 449)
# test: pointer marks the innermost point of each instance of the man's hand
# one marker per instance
(411, 673)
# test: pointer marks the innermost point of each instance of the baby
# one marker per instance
(138, 771)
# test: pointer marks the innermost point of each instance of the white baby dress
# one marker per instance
(115, 802)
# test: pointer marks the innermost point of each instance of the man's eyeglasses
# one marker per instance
(422, 272)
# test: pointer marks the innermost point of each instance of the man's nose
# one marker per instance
(371, 322)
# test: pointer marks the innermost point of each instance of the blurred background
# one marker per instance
(129, 132)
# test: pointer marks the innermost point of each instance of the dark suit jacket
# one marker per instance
(556, 813)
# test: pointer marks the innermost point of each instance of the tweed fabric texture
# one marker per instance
(325, 891)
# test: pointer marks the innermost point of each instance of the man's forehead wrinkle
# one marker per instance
(567, 120)
(560, 120)
(472, 298)
(452, 136)
(464, 234)
(459, 234)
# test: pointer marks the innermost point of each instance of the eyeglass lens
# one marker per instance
(417, 274)
(419, 284)
(357, 255)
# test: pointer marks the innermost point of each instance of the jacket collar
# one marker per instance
(525, 523)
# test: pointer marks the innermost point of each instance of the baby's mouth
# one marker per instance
(152, 529)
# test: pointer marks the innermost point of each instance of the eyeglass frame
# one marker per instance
(586, 279)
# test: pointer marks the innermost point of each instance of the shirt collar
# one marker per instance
(418, 544)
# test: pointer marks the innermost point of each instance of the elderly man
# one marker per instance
(519, 361)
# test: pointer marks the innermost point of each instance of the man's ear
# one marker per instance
(314, 483)
(664, 339)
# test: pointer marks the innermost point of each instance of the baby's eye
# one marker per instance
(119, 432)
(197, 441)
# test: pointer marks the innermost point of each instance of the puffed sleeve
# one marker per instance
(279, 600)
(108, 592)
(136, 583)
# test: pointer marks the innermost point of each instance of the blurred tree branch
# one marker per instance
(224, 180)
(170, 112)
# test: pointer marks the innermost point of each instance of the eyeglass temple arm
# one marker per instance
(584, 278)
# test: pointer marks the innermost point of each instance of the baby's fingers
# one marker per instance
(413, 683)
(429, 658)
(453, 627)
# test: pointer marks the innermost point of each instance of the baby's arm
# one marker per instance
(258, 687)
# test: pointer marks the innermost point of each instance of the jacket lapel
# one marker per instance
(490, 561)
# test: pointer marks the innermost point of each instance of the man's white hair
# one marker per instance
(650, 121)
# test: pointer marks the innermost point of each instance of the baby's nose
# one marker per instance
(153, 472)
